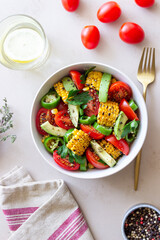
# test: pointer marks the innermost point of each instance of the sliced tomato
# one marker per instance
(92, 105)
(124, 106)
(91, 131)
(121, 144)
(65, 163)
(120, 90)
(62, 106)
(44, 115)
(63, 120)
(75, 75)
(93, 158)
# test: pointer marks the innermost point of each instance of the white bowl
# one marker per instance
(136, 145)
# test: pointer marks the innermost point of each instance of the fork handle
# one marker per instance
(144, 91)
(136, 170)
(138, 158)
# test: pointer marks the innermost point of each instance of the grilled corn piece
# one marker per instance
(110, 149)
(61, 90)
(113, 80)
(108, 113)
(93, 80)
(79, 142)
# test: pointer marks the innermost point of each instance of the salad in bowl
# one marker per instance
(88, 119)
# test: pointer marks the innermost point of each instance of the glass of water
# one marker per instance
(23, 43)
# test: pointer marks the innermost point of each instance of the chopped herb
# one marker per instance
(63, 151)
(101, 161)
(77, 98)
(83, 76)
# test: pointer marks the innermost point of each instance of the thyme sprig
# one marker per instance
(6, 122)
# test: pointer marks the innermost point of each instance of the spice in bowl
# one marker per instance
(142, 223)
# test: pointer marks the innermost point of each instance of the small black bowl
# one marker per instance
(132, 209)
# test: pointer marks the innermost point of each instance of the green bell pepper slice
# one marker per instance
(51, 143)
(50, 100)
(102, 129)
(87, 120)
(68, 135)
(133, 105)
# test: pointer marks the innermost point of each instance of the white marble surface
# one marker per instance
(103, 201)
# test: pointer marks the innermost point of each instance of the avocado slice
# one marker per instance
(52, 130)
(68, 84)
(119, 125)
(74, 114)
(104, 86)
(103, 154)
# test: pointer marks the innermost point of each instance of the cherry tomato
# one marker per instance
(62, 106)
(65, 163)
(120, 90)
(124, 106)
(63, 120)
(109, 12)
(90, 36)
(91, 131)
(121, 144)
(93, 158)
(44, 115)
(145, 3)
(70, 5)
(92, 105)
(75, 75)
(131, 33)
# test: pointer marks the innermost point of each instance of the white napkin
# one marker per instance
(40, 210)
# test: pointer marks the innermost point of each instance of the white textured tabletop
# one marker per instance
(103, 201)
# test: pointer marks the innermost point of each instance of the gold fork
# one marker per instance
(145, 75)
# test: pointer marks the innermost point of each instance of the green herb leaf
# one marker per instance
(101, 161)
(62, 151)
(83, 76)
(77, 98)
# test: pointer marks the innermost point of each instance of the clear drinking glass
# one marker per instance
(23, 43)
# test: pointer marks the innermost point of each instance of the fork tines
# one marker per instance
(147, 62)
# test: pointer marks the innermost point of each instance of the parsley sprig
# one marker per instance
(63, 151)
(76, 97)
(83, 76)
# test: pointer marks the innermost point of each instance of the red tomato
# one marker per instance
(63, 120)
(131, 33)
(119, 90)
(109, 12)
(93, 158)
(121, 144)
(92, 105)
(44, 115)
(91, 131)
(64, 162)
(70, 5)
(75, 75)
(62, 106)
(90, 36)
(124, 106)
(145, 3)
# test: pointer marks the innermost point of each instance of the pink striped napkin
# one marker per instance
(40, 210)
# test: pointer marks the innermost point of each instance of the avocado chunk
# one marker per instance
(52, 130)
(119, 125)
(74, 114)
(103, 154)
(68, 84)
(104, 86)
